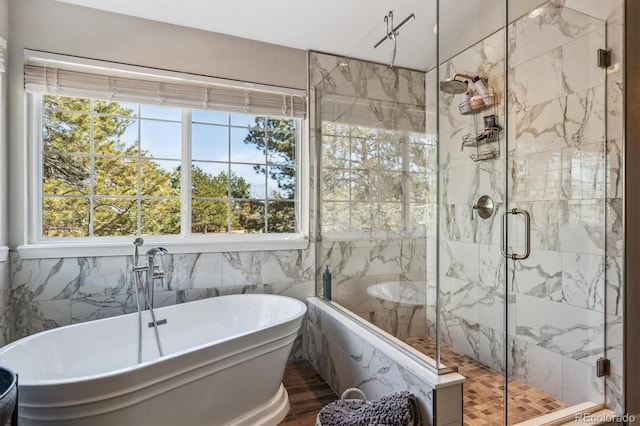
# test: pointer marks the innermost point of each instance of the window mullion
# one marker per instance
(351, 178)
(406, 182)
(139, 175)
(186, 167)
(37, 106)
(266, 176)
(229, 199)
(92, 167)
(301, 179)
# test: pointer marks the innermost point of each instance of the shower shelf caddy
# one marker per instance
(485, 139)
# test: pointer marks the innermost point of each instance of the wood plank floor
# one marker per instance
(483, 391)
(308, 393)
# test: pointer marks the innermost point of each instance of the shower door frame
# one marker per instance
(631, 206)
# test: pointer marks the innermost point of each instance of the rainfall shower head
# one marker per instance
(454, 85)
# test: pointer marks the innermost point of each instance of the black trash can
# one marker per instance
(8, 397)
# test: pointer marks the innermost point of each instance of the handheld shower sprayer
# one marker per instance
(137, 242)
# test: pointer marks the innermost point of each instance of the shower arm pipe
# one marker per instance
(396, 29)
(459, 74)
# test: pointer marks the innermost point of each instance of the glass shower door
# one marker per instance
(555, 218)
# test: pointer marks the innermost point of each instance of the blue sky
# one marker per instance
(162, 139)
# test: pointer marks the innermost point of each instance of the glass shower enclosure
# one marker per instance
(472, 210)
(376, 198)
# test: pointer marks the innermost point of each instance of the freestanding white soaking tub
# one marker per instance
(223, 365)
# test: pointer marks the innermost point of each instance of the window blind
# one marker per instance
(55, 75)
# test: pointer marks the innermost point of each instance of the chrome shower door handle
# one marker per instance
(527, 234)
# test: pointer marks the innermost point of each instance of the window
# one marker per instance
(374, 179)
(112, 168)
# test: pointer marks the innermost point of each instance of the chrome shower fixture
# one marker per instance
(455, 85)
(392, 32)
(396, 29)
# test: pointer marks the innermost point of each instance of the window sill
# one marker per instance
(122, 248)
(4, 253)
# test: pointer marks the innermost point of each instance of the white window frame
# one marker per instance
(38, 247)
(4, 250)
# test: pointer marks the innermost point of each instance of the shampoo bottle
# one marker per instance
(326, 284)
(482, 90)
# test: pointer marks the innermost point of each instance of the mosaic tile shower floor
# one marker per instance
(484, 390)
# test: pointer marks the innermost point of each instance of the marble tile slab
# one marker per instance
(536, 366)
(540, 276)
(584, 171)
(555, 25)
(536, 177)
(556, 73)
(260, 267)
(579, 382)
(479, 342)
(5, 303)
(580, 69)
(575, 333)
(576, 119)
(98, 307)
(583, 280)
(614, 169)
(614, 279)
(456, 260)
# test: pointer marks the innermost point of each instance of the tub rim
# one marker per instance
(26, 382)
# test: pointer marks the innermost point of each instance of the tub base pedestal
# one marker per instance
(269, 414)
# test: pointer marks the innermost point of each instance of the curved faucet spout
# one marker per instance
(153, 272)
(151, 253)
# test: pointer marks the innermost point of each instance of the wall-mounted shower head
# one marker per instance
(455, 85)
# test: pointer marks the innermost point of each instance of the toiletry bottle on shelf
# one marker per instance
(465, 106)
(482, 90)
(326, 284)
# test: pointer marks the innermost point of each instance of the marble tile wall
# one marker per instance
(564, 136)
(5, 294)
(471, 282)
(48, 293)
(372, 198)
(347, 359)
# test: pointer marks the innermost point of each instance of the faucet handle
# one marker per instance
(484, 206)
